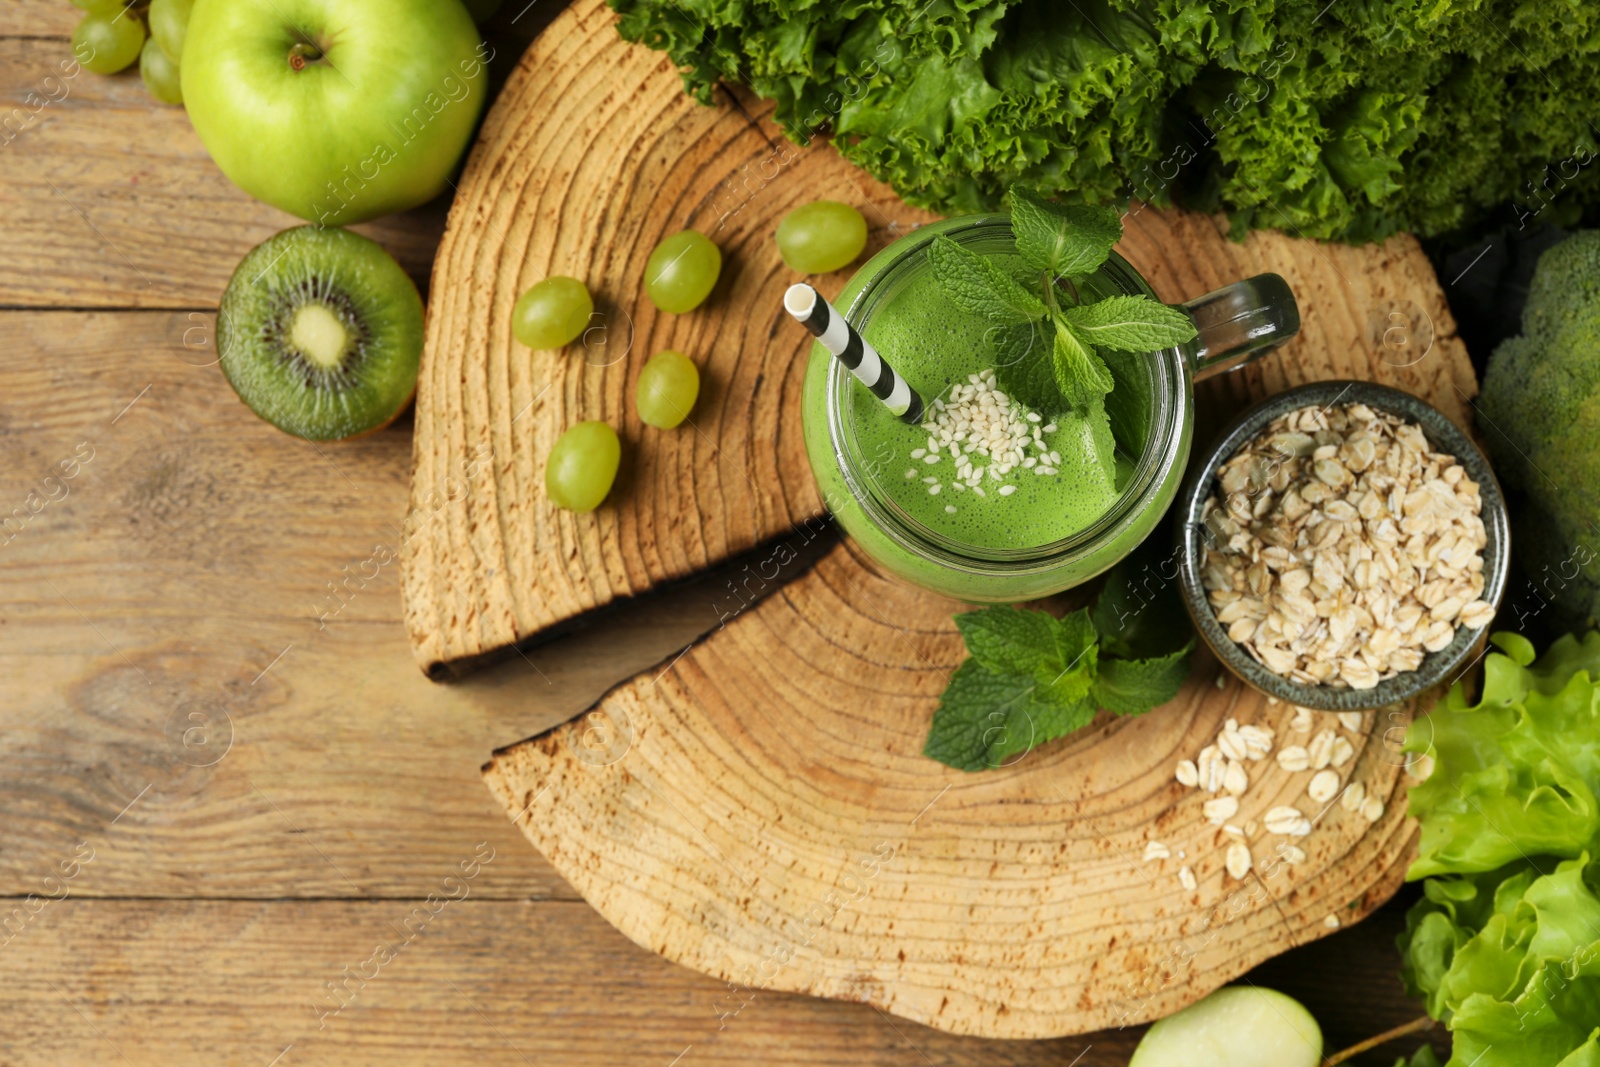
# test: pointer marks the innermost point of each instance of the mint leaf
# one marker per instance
(1130, 324)
(1029, 681)
(1061, 238)
(1010, 640)
(1075, 640)
(975, 284)
(1134, 686)
(982, 718)
(1024, 369)
(1054, 719)
(1081, 375)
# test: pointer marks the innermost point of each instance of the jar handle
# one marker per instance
(1239, 323)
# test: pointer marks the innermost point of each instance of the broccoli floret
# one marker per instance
(1540, 415)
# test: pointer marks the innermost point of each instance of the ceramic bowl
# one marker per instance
(1444, 435)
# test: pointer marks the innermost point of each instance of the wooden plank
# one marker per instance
(493, 983)
(38, 18)
(110, 200)
(193, 547)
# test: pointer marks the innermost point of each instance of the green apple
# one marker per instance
(335, 110)
(1237, 1026)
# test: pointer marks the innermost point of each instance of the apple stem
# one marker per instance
(302, 53)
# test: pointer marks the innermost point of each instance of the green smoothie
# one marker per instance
(983, 499)
(1051, 475)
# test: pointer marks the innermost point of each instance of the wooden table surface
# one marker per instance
(221, 786)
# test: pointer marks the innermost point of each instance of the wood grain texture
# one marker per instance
(715, 807)
(193, 983)
(761, 811)
(38, 18)
(201, 562)
(110, 197)
(591, 155)
(589, 158)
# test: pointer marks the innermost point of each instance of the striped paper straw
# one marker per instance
(850, 348)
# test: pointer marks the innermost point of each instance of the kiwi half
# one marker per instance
(320, 333)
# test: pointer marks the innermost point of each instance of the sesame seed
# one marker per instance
(949, 509)
(933, 490)
(1007, 490)
(912, 473)
(931, 459)
(918, 453)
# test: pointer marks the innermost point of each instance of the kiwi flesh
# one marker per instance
(320, 333)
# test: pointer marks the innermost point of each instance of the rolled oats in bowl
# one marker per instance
(1341, 547)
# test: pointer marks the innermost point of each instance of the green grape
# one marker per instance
(582, 466)
(668, 386)
(553, 313)
(107, 43)
(169, 24)
(682, 271)
(99, 6)
(822, 236)
(160, 74)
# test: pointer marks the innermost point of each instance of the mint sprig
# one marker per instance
(1032, 677)
(1063, 243)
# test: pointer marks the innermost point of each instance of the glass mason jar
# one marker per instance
(1236, 324)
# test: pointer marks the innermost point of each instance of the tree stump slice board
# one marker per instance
(592, 154)
(758, 808)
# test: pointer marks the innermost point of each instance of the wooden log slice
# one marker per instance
(590, 156)
(758, 808)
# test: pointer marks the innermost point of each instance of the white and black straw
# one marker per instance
(850, 348)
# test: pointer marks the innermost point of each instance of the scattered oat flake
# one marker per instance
(1220, 809)
(1237, 860)
(1352, 720)
(1324, 786)
(1331, 922)
(1293, 758)
(1186, 878)
(1155, 850)
(1187, 774)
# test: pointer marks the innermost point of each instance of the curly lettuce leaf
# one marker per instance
(1510, 960)
(1516, 774)
(1350, 121)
